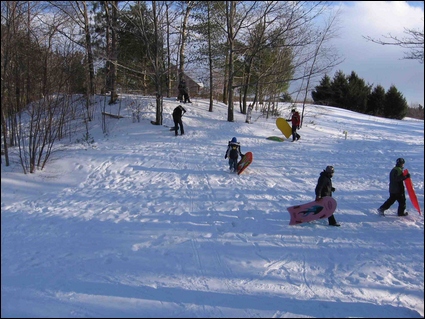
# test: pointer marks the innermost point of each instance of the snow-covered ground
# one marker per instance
(145, 224)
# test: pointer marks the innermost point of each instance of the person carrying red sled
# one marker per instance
(396, 188)
(233, 152)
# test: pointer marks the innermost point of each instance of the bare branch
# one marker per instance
(414, 42)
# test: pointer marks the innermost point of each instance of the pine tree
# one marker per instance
(376, 101)
(395, 104)
(322, 94)
(339, 89)
(357, 94)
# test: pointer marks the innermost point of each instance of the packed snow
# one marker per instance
(142, 223)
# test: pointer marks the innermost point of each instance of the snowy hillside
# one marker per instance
(145, 224)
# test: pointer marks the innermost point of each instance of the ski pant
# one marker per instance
(178, 122)
(400, 198)
(233, 164)
(186, 98)
(295, 135)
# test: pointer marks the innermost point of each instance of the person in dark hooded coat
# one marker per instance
(396, 188)
(324, 188)
(183, 92)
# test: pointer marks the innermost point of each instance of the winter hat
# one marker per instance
(399, 161)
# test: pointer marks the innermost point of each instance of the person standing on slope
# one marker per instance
(183, 92)
(178, 113)
(396, 188)
(324, 188)
(233, 152)
(296, 122)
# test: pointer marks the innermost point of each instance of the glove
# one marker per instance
(333, 189)
(242, 155)
(225, 156)
(298, 127)
(407, 176)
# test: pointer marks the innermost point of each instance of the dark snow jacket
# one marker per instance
(396, 185)
(178, 113)
(233, 151)
(182, 87)
(324, 185)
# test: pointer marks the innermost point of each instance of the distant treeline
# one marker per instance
(352, 93)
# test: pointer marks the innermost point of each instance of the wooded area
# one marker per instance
(246, 50)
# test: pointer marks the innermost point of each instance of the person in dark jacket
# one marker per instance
(178, 113)
(324, 188)
(233, 152)
(296, 122)
(396, 188)
(183, 92)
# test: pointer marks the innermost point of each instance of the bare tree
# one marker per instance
(187, 8)
(77, 11)
(324, 35)
(37, 117)
(111, 12)
(18, 85)
(12, 14)
(240, 15)
(273, 40)
(148, 26)
(169, 20)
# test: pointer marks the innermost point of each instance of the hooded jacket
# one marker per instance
(324, 185)
(396, 180)
(233, 151)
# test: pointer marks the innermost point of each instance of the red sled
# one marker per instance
(245, 162)
(308, 212)
(411, 191)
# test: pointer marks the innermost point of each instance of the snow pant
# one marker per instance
(186, 98)
(178, 123)
(181, 95)
(295, 135)
(400, 198)
(233, 164)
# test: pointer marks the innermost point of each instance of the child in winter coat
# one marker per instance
(324, 188)
(233, 152)
(296, 122)
(396, 188)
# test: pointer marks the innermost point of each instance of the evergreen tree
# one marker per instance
(339, 89)
(395, 104)
(376, 101)
(357, 94)
(322, 94)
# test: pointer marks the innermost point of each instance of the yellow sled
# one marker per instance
(284, 127)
